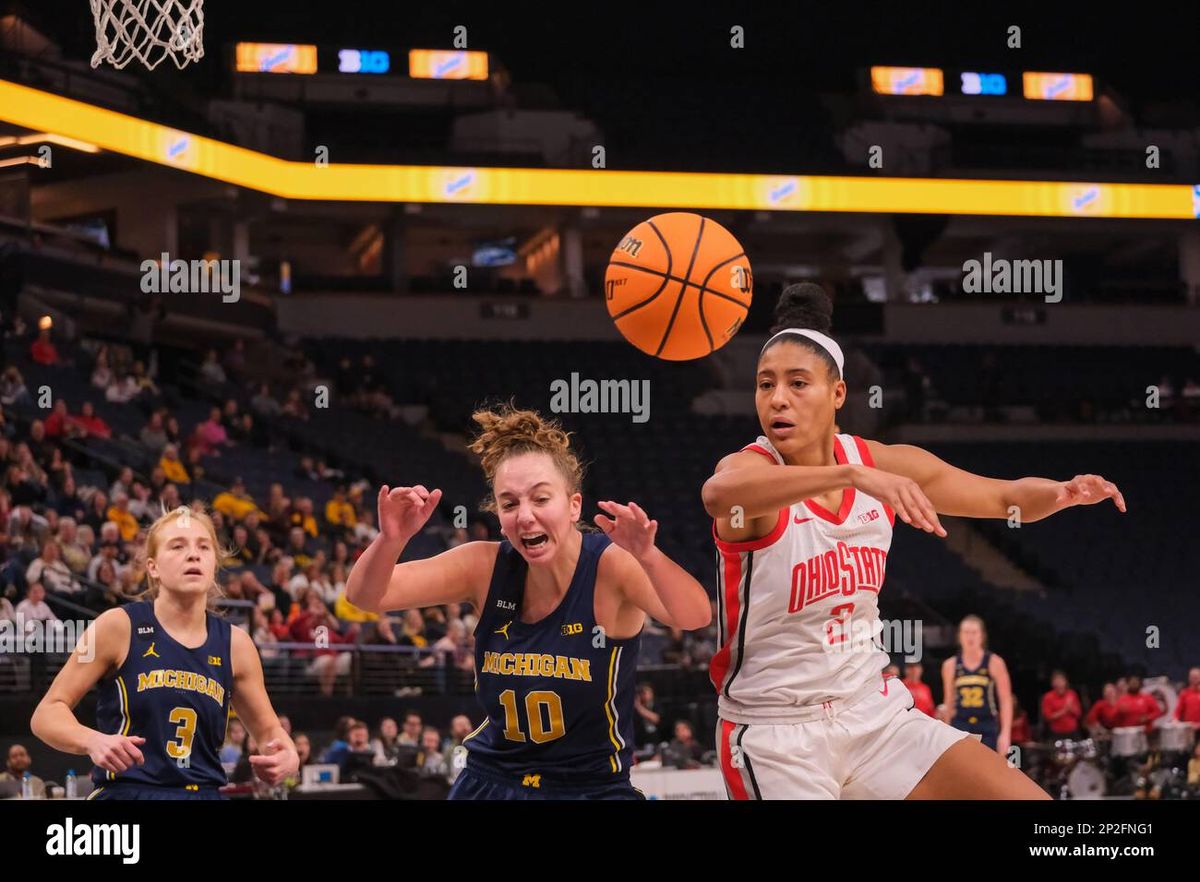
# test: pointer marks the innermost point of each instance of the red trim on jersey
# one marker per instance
(719, 666)
(864, 453)
(771, 538)
(733, 780)
(761, 450)
(847, 495)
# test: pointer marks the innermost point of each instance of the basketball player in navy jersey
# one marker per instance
(977, 689)
(561, 611)
(169, 671)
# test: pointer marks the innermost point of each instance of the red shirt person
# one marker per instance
(1137, 708)
(43, 350)
(1061, 707)
(1187, 709)
(922, 696)
(1103, 714)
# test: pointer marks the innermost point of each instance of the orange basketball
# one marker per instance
(678, 286)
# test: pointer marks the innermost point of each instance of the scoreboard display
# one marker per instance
(936, 82)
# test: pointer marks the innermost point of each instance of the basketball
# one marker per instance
(678, 286)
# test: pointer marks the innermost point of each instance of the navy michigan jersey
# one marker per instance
(558, 692)
(174, 697)
(974, 696)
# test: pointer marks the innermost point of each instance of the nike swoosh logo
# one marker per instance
(800, 520)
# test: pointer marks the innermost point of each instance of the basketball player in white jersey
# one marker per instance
(803, 523)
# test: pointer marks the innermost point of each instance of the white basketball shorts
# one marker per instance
(877, 746)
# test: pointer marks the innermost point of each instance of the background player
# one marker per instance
(803, 520)
(976, 688)
(170, 670)
(561, 611)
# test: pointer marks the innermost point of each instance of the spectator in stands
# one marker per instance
(12, 389)
(40, 447)
(34, 607)
(280, 575)
(49, 569)
(1137, 708)
(141, 506)
(264, 637)
(75, 553)
(58, 470)
(277, 625)
(245, 430)
(921, 693)
(413, 632)
(23, 487)
(385, 744)
(120, 515)
(1061, 708)
(479, 531)
(122, 390)
(1187, 709)
(649, 730)
(365, 530)
(307, 469)
(174, 433)
(17, 763)
(153, 435)
(339, 513)
(97, 513)
(122, 483)
(431, 761)
(299, 547)
(316, 623)
(148, 391)
(60, 423)
(235, 740)
(451, 649)
(91, 425)
(460, 728)
(210, 436)
(172, 466)
(1021, 731)
(235, 503)
(301, 516)
(294, 406)
(169, 499)
(108, 591)
(684, 751)
(235, 360)
(7, 612)
(263, 404)
(26, 530)
(102, 373)
(411, 734)
(304, 752)
(43, 350)
(211, 371)
(109, 550)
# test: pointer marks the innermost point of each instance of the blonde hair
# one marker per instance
(153, 537)
(506, 431)
(982, 629)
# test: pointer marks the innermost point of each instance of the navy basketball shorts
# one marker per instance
(473, 784)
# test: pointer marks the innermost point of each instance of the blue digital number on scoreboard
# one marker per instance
(364, 61)
(984, 84)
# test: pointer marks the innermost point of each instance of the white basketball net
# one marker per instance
(149, 31)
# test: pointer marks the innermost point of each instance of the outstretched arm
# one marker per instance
(649, 579)
(954, 491)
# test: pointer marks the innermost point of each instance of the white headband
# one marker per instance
(826, 343)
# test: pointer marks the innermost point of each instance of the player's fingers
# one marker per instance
(605, 524)
(916, 510)
(901, 509)
(1118, 498)
(421, 491)
(931, 514)
(640, 512)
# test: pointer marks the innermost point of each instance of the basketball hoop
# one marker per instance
(149, 31)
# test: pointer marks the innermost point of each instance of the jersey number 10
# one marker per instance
(541, 729)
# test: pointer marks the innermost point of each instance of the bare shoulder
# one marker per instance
(479, 559)
(996, 663)
(948, 665)
(741, 459)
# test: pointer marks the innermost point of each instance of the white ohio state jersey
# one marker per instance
(798, 609)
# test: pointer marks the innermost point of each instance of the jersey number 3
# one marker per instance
(181, 745)
(541, 728)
